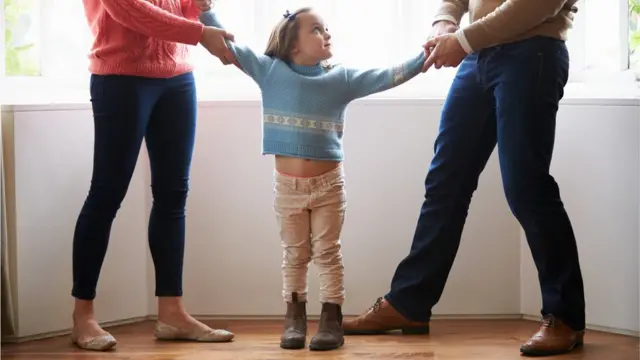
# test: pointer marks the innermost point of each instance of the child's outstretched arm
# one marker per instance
(366, 82)
(255, 65)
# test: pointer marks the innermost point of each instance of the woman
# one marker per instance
(141, 87)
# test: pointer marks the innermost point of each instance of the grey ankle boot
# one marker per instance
(330, 334)
(294, 335)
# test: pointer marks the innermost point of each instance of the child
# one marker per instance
(304, 101)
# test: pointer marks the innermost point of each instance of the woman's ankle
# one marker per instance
(170, 306)
(83, 310)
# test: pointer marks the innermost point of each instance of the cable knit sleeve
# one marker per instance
(148, 19)
(190, 10)
(366, 82)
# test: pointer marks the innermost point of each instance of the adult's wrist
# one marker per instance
(464, 43)
(192, 33)
(203, 34)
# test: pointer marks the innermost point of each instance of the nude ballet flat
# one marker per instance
(98, 343)
(168, 332)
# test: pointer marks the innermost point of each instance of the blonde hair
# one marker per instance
(284, 36)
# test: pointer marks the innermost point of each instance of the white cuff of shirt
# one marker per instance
(444, 18)
(463, 41)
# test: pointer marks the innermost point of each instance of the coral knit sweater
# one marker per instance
(142, 37)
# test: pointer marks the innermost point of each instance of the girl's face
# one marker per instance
(313, 45)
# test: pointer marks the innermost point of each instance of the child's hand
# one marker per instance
(203, 5)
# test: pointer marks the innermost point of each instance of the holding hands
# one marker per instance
(204, 5)
(443, 48)
(214, 39)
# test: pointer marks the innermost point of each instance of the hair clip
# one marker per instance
(289, 16)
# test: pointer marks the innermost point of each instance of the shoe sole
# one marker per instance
(419, 330)
(194, 340)
(292, 345)
(314, 347)
(106, 347)
(534, 352)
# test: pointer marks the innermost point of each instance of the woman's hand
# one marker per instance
(215, 41)
(204, 5)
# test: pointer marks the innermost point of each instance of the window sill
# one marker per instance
(31, 94)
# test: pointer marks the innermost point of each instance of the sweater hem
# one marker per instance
(301, 151)
(479, 38)
(143, 70)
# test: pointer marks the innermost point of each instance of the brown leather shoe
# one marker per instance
(382, 318)
(553, 338)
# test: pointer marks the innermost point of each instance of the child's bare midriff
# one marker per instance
(304, 167)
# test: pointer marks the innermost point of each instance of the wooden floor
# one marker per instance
(258, 340)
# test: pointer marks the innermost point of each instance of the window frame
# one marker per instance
(3, 68)
(624, 57)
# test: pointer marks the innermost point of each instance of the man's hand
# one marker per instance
(203, 5)
(439, 28)
(447, 52)
(214, 40)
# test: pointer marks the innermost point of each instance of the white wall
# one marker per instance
(233, 249)
(53, 157)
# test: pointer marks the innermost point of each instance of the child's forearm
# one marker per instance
(209, 18)
(408, 70)
(254, 65)
(364, 83)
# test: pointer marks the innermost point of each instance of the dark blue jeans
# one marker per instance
(127, 109)
(507, 95)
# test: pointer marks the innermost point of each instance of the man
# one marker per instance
(513, 68)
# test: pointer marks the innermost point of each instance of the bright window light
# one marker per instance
(50, 39)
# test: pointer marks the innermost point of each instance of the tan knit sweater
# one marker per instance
(495, 22)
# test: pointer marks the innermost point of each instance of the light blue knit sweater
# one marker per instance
(304, 106)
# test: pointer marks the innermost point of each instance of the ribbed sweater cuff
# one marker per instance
(193, 33)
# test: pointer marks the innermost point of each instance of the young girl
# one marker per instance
(304, 101)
